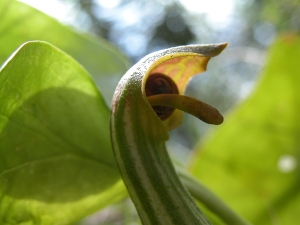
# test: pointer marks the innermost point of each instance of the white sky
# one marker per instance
(218, 12)
(53, 8)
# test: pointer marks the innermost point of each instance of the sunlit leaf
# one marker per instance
(252, 160)
(21, 23)
(56, 163)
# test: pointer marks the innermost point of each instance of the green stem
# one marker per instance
(210, 200)
(150, 177)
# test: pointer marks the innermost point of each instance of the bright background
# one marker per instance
(141, 27)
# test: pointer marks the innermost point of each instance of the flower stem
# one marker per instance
(210, 200)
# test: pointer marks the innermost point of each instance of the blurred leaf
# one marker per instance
(21, 23)
(252, 161)
(56, 162)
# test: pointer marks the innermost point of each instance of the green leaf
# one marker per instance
(56, 163)
(252, 160)
(21, 23)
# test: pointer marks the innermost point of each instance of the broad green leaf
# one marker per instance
(56, 162)
(21, 23)
(252, 160)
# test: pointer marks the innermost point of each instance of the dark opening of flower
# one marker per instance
(158, 84)
(162, 94)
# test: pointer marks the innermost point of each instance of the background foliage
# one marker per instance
(256, 151)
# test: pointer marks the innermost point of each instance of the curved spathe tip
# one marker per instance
(181, 64)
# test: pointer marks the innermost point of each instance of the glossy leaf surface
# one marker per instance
(21, 23)
(252, 160)
(56, 162)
